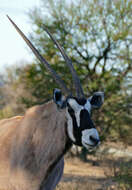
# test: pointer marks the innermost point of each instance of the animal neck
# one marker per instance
(42, 141)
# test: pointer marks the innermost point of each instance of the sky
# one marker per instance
(12, 48)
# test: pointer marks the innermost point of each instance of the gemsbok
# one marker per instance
(32, 146)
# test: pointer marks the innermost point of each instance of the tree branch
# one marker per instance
(104, 55)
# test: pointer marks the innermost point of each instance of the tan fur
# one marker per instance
(29, 145)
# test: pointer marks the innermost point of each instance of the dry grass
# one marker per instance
(75, 186)
(86, 176)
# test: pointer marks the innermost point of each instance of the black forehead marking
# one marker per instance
(85, 120)
(81, 101)
(76, 129)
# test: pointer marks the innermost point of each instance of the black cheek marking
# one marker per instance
(85, 120)
(70, 110)
(76, 129)
(77, 132)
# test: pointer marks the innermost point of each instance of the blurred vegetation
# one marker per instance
(120, 170)
(123, 175)
(117, 174)
(97, 36)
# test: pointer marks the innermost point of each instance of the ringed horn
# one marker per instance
(76, 80)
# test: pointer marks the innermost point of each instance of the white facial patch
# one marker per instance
(87, 106)
(77, 109)
(70, 127)
(86, 141)
(73, 103)
(77, 115)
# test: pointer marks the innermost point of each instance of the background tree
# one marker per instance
(12, 88)
(97, 36)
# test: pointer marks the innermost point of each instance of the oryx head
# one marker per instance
(80, 127)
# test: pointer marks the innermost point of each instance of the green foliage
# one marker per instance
(123, 175)
(6, 112)
(98, 49)
(97, 37)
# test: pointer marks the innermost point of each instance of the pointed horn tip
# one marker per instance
(7, 16)
(10, 19)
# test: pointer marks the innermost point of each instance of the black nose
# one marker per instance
(94, 140)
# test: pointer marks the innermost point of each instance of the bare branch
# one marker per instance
(104, 55)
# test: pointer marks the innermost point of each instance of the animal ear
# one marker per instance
(97, 99)
(58, 98)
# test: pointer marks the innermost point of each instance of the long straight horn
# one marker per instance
(68, 61)
(42, 60)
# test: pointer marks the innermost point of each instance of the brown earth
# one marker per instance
(96, 174)
(78, 174)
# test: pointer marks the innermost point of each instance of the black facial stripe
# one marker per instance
(76, 130)
(70, 110)
(85, 120)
